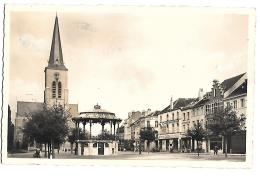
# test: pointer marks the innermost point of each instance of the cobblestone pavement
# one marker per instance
(144, 156)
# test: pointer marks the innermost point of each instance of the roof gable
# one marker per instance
(228, 83)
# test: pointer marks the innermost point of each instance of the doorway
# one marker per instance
(101, 148)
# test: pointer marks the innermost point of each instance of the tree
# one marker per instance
(73, 136)
(105, 136)
(197, 133)
(224, 122)
(10, 133)
(147, 134)
(48, 126)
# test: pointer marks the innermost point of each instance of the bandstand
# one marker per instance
(96, 146)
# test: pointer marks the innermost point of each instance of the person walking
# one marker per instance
(215, 150)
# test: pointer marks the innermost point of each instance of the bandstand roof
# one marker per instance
(97, 115)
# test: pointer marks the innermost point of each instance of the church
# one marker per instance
(55, 91)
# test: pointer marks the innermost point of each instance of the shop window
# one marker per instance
(106, 145)
(95, 145)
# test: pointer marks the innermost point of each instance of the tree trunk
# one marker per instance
(207, 145)
(45, 152)
(140, 150)
(225, 139)
(148, 146)
(48, 150)
(198, 147)
(71, 148)
(52, 149)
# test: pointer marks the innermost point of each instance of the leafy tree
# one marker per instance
(197, 133)
(225, 122)
(73, 136)
(147, 134)
(48, 126)
(106, 136)
(10, 137)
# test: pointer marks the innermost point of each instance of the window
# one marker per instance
(242, 101)
(184, 128)
(156, 123)
(59, 90)
(160, 118)
(95, 145)
(148, 123)
(53, 89)
(228, 104)
(167, 125)
(215, 92)
(212, 108)
(198, 121)
(177, 115)
(106, 145)
(173, 116)
(207, 109)
(215, 107)
(184, 116)
(188, 114)
(167, 116)
(235, 104)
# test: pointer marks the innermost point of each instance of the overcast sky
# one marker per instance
(127, 58)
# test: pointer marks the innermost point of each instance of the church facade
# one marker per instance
(55, 91)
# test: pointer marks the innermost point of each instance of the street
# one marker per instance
(144, 156)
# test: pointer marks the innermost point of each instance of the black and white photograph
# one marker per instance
(134, 85)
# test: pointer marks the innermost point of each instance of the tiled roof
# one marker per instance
(201, 102)
(25, 108)
(242, 89)
(179, 103)
(228, 83)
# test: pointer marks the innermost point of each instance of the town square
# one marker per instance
(117, 84)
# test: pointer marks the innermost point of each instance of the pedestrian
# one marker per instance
(215, 150)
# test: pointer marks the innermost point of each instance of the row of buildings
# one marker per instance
(173, 122)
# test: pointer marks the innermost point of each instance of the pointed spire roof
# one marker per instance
(56, 57)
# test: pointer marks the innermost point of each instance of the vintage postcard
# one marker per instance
(128, 85)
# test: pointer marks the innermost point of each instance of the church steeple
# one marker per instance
(56, 57)
(56, 74)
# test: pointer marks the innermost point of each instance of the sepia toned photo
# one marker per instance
(128, 85)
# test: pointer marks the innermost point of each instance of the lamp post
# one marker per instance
(140, 148)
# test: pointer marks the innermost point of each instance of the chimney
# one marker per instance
(200, 94)
(171, 103)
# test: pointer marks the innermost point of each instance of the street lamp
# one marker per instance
(140, 152)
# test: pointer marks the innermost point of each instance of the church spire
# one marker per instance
(56, 57)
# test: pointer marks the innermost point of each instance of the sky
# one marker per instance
(127, 58)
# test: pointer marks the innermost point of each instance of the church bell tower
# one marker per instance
(56, 80)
